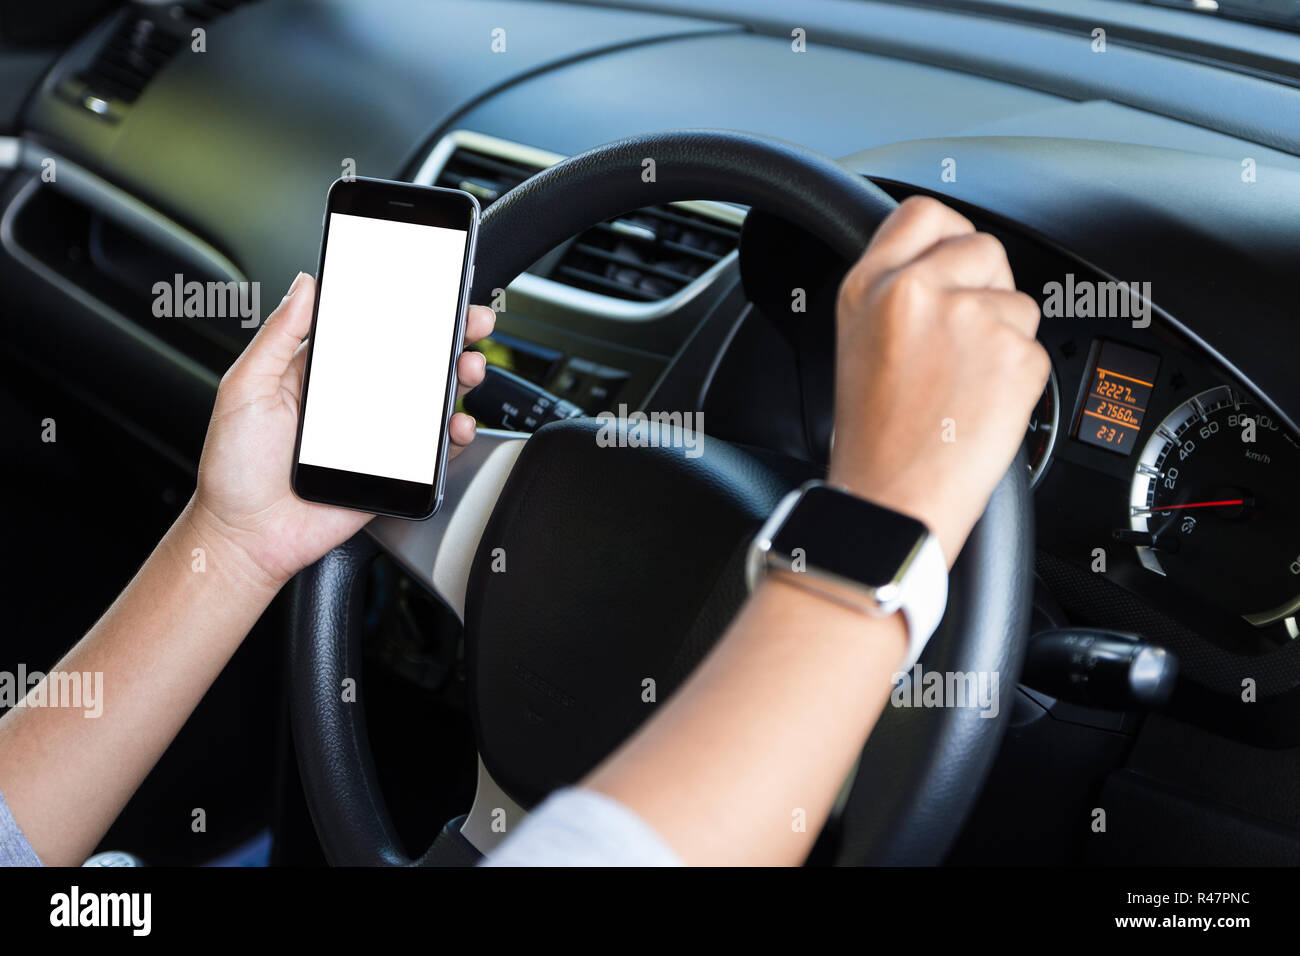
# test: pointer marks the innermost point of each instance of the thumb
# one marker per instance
(273, 347)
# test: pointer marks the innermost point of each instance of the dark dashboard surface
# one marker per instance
(286, 91)
(223, 162)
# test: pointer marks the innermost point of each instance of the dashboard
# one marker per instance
(1163, 491)
(1164, 455)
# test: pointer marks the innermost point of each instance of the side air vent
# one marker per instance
(645, 256)
(145, 39)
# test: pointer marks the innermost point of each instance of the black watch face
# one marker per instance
(842, 534)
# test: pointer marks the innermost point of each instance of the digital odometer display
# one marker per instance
(1119, 388)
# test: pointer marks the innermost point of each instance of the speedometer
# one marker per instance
(1215, 505)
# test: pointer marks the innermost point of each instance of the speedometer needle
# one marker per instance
(1195, 504)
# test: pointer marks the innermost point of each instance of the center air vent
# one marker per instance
(146, 38)
(486, 177)
(648, 255)
(645, 256)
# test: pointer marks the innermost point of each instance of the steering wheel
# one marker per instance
(623, 564)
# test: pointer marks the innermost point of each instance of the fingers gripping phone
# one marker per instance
(392, 293)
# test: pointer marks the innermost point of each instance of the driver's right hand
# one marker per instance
(937, 369)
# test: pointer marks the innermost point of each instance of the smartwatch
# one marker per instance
(850, 550)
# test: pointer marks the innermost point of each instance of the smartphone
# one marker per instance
(392, 292)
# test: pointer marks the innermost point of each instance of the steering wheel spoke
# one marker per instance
(439, 550)
(493, 815)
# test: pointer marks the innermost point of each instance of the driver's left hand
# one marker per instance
(243, 493)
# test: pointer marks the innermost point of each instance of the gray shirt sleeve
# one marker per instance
(14, 848)
(572, 827)
(576, 827)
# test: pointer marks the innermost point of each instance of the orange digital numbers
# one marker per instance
(1120, 382)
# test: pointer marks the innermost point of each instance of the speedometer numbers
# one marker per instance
(1213, 506)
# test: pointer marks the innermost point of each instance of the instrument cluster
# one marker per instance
(1146, 456)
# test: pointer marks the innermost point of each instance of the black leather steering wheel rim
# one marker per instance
(922, 769)
(803, 187)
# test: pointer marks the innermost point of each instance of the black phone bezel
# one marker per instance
(399, 202)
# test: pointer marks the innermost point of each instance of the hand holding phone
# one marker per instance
(389, 321)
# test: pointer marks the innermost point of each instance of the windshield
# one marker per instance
(1283, 14)
(1278, 13)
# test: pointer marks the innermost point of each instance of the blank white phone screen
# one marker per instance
(380, 361)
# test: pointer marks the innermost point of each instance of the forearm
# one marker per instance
(67, 774)
(768, 728)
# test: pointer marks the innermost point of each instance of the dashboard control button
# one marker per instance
(509, 401)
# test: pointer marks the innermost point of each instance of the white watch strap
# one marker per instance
(924, 598)
(922, 593)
